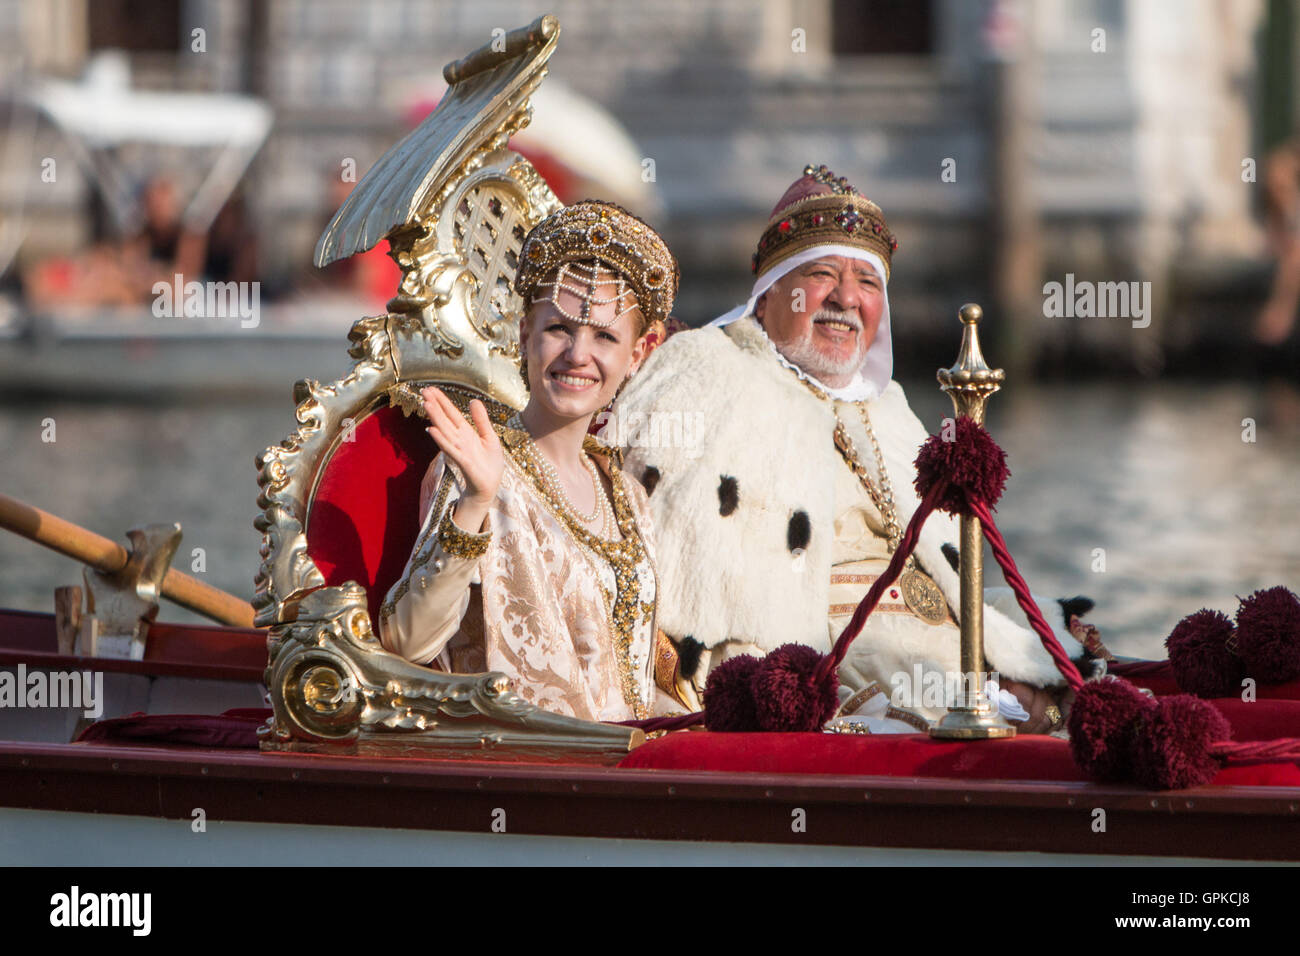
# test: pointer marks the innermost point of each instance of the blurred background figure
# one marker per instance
(1278, 346)
(231, 247)
(160, 235)
(1282, 212)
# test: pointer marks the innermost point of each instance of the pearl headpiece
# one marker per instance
(593, 231)
(581, 280)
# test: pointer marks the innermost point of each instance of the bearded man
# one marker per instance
(782, 507)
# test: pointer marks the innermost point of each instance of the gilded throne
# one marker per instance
(339, 496)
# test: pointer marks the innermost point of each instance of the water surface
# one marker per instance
(1158, 477)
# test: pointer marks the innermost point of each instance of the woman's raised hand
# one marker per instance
(475, 449)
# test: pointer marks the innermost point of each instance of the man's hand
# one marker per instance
(1090, 638)
(1047, 706)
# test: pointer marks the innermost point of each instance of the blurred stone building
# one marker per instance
(1111, 139)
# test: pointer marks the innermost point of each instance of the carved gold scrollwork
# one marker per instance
(455, 205)
(332, 687)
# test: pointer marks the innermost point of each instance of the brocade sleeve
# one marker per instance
(424, 609)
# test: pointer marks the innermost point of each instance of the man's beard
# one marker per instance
(804, 353)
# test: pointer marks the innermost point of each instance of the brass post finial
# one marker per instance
(969, 383)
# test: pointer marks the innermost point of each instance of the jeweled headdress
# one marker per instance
(600, 231)
(821, 209)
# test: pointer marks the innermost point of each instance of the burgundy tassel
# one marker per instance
(1199, 655)
(1268, 635)
(729, 696)
(1173, 748)
(973, 465)
(787, 694)
(1103, 720)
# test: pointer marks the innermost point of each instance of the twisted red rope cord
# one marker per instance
(1230, 752)
(678, 722)
(832, 661)
(1026, 600)
(906, 545)
(1257, 751)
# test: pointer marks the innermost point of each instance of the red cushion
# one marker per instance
(1158, 677)
(1260, 719)
(896, 755)
(236, 728)
(362, 522)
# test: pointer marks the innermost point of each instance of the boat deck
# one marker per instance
(167, 782)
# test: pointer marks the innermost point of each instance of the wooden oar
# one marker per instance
(108, 556)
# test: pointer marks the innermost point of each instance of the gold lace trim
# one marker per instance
(460, 543)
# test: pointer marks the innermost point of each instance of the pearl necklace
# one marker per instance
(624, 556)
(601, 511)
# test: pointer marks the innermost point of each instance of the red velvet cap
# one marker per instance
(820, 208)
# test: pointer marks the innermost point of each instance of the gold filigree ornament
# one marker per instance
(460, 543)
(455, 205)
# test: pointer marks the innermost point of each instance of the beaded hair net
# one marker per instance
(582, 280)
(576, 240)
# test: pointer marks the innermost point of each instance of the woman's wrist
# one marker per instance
(458, 542)
(470, 514)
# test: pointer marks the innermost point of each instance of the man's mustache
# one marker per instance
(838, 315)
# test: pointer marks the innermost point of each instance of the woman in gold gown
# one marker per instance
(535, 555)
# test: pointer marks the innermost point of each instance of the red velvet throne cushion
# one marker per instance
(361, 524)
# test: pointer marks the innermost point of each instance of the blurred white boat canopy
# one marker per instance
(102, 112)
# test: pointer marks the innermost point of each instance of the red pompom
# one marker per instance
(786, 696)
(729, 696)
(1172, 749)
(1268, 635)
(1103, 722)
(972, 464)
(1199, 655)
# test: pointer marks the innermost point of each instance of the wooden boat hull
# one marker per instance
(991, 817)
(450, 801)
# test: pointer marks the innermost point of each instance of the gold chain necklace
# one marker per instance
(883, 498)
(623, 557)
(600, 508)
(921, 595)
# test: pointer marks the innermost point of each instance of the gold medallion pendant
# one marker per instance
(922, 596)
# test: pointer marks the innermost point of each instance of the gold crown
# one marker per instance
(815, 217)
(607, 233)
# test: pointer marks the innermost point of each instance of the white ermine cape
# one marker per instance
(732, 446)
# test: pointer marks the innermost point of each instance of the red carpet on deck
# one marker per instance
(1028, 758)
